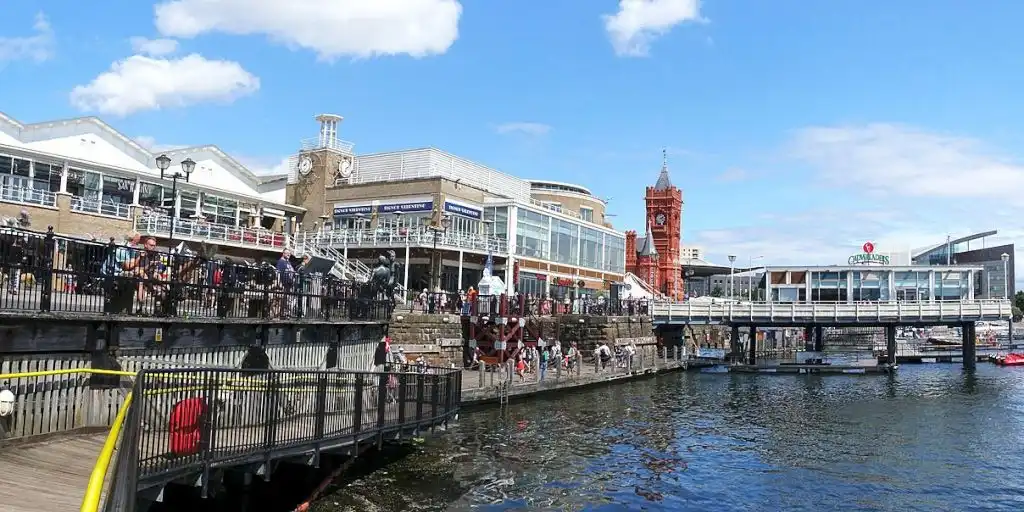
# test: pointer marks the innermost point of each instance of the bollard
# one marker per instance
(493, 371)
(679, 353)
(482, 367)
(558, 373)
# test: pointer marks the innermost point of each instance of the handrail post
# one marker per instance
(46, 290)
(382, 399)
(420, 392)
(402, 379)
(435, 398)
(270, 404)
(321, 406)
(357, 405)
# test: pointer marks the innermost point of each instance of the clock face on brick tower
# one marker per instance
(660, 219)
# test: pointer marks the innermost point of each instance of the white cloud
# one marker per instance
(900, 187)
(638, 22)
(534, 129)
(145, 83)
(154, 47)
(39, 46)
(888, 159)
(265, 166)
(331, 28)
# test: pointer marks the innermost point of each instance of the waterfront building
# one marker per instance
(860, 283)
(657, 258)
(443, 215)
(85, 178)
(997, 276)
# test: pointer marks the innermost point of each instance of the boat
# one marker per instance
(1011, 359)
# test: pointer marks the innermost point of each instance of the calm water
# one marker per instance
(929, 438)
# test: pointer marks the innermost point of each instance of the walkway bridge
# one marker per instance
(190, 426)
(778, 314)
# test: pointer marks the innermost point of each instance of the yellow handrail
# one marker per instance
(94, 490)
(47, 373)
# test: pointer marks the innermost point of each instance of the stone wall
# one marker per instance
(439, 338)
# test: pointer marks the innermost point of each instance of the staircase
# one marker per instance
(304, 244)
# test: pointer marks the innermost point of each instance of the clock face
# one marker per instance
(659, 219)
(305, 165)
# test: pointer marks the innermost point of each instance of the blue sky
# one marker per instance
(797, 129)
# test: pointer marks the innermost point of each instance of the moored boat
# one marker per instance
(1011, 359)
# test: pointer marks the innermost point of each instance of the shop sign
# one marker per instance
(563, 281)
(363, 209)
(464, 211)
(418, 206)
(868, 257)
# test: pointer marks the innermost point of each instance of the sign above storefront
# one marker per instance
(868, 257)
(461, 210)
(363, 209)
(414, 207)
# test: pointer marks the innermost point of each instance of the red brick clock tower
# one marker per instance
(665, 218)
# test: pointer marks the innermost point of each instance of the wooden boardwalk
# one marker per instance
(48, 476)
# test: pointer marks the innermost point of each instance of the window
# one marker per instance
(532, 234)
(219, 210)
(587, 214)
(189, 201)
(496, 221)
(409, 221)
(118, 190)
(614, 253)
(464, 226)
(590, 247)
(46, 177)
(152, 196)
(565, 242)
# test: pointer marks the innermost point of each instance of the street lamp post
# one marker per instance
(163, 162)
(750, 277)
(732, 274)
(1006, 276)
(435, 278)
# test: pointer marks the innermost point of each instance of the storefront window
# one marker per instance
(219, 210)
(532, 284)
(189, 201)
(118, 190)
(464, 226)
(410, 221)
(46, 177)
(151, 195)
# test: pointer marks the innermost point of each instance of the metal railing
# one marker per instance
(398, 237)
(313, 243)
(25, 195)
(48, 273)
(314, 143)
(187, 229)
(862, 312)
(186, 422)
(81, 204)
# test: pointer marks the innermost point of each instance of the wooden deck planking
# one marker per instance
(48, 476)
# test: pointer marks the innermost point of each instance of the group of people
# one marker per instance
(545, 357)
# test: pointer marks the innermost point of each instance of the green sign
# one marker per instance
(865, 258)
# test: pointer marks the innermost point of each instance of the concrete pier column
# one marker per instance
(890, 344)
(969, 348)
(752, 349)
(819, 338)
(808, 338)
(1009, 333)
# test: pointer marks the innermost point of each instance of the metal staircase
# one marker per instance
(310, 244)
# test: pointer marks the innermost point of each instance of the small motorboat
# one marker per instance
(1011, 359)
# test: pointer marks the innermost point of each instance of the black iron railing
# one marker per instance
(184, 423)
(52, 274)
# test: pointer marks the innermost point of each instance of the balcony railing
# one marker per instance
(81, 204)
(314, 143)
(215, 233)
(27, 196)
(399, 237)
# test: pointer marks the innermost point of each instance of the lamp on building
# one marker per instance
(163, 162)
(732, 273)
(1006, 275)
(750, 276)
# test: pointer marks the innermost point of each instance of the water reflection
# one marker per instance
(929, 438)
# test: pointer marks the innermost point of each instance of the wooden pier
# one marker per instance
(48, 475)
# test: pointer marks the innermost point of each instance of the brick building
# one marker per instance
(656, 259)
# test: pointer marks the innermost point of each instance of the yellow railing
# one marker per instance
(94, 489)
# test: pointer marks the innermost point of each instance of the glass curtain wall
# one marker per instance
(614, 254)
(565, 242)
(400, 223)
(870, 286)
(117, 190)
(951, 285)
(590, 247)
(828, 287)
(532, 234)
(911, 286)
(496, 221)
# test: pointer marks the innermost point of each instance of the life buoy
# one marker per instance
(185, 426)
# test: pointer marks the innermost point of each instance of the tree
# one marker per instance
(717, 291)
(1018, 300)
(1015, 312)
